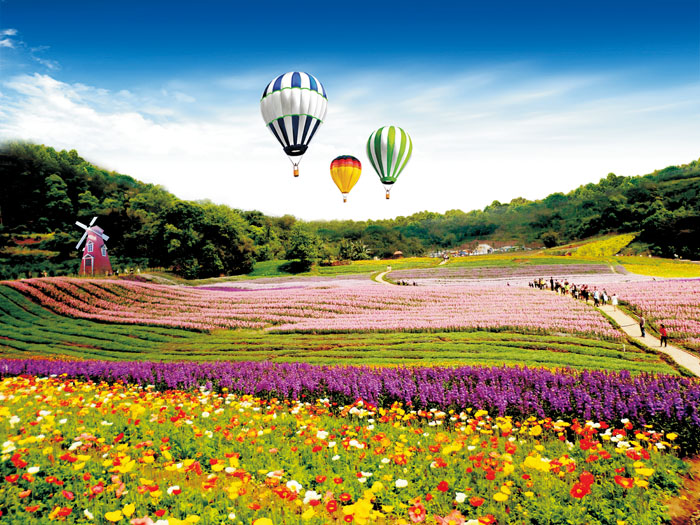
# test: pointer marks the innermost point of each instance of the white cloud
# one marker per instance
(8, 32)
(478, 137)
(6, 42)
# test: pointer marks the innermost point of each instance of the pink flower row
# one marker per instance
(361, 308)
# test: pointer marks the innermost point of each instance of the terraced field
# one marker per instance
(27, 329)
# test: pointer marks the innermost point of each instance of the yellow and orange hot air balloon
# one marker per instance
(345, 171)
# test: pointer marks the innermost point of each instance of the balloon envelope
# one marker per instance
(345, 171)
(293, 107)
(389, 150)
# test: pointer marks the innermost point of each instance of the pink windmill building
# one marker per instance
(95, 260)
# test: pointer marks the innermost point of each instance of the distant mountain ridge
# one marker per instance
(44, 191)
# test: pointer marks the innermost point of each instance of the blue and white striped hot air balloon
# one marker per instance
(293, 106)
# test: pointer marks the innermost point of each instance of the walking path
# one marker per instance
(380, 278)
(630, 326)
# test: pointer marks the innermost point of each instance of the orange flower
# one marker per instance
(476, 501)
(626, 483)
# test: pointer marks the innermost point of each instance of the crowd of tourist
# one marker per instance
(577, 291)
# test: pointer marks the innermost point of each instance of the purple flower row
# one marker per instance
(671, 402)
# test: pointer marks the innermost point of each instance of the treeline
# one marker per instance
(44, 191)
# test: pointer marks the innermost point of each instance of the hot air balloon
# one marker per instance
(345, 171)
(389, 149)
(293, 106)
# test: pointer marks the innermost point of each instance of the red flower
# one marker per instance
(32, 508)
(476, 501)
(160, 513)
(579, 490)
(587, 478)
(337, 481)
(320, 479)
(12, 478)
(317, 448)
(345, 497)
(627, 483)
(348, 518)
(68, 494)
(332, 506)
(64, 511)
(119, 437)
(443, 486)
(25, 493)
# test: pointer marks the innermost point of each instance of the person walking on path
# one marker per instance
(642, 325)
(614, 301)
(664, 336)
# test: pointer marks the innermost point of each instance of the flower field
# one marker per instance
(27, 329)
(94, 452)
(322, 309)
(675, 303)
(455, 272)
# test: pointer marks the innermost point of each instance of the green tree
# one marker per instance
(303, 245)
(59, 208)
(88, 204)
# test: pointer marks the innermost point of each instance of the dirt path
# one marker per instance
(630, 326)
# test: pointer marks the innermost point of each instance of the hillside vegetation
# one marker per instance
(44, 191)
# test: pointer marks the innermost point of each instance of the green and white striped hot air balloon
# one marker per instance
(389, 150)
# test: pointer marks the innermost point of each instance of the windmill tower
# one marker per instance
(95, 260)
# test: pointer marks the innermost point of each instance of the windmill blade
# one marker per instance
(78, 223)
(104, 236)
(77, 246)
(93, 221)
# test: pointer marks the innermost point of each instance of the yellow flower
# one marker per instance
(308, 514)
(644, 471)
(114, 515)
(536, 430)
(499, 496)
(129, 510)
(263, 521)
(529, 494)
(672, 436)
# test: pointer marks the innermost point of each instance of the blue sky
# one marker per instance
(538, 96)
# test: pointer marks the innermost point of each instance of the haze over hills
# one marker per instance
(45, 191)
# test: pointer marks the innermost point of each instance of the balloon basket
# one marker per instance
(387, 195)
(345, 198)
(296, 171)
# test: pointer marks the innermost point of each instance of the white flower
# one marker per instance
(173, 489)
(362, 480)
(33, 470)
(107, 423)
(232, 516)
(88, 514)
(401, 483)
(321, 434)
(473, 522)
(311, 495)
(229, 470)
(335, 458)
(14, 420)
(64, 421)
(75, 445)
(331, 444)
(385, 460)
(366, 474)
(294, 485)
(205, 414)
(460, 497)
(471, 447)
(624, 421)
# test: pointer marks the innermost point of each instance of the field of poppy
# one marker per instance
(81, 451)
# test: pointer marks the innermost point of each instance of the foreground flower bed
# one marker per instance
(84, 452)
(670, 401)
(675, 303)
(330, 309)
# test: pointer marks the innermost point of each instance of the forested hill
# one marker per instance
(44, 191)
